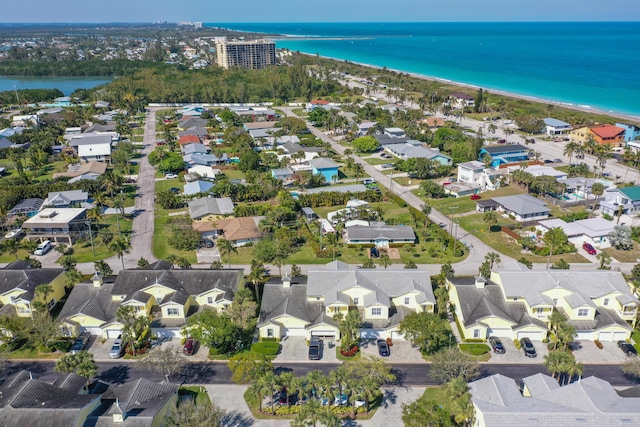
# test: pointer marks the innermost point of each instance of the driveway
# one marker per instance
(295, 350)
(512, 355)
(231, 399)
(201, 355)
(401, 351)
(99, 349)
(590, 353)
(207, 255)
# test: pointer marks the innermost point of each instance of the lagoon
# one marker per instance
(66, 84)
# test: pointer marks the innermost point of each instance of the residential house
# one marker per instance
(517, 302)
(309, 214)
(196, 187)
(194, 148)
(29, 401)
(18, 289)
(461, 100)
(168, 296)
(553, 127)
(209, 207)
(505, 154)
(540, 170)
(258, 114)
(263, 133)
(621, 201)
(476, 175)
(98, 128)
(203, 159)
(283, 174)
(432, 123)
(66, 199)
(25, 207)
(608, 134)
(317, 103)
(409, 151)
(521, 207)
(102, 104)
(394, 132)
(239, 231)
(139, 403)
(198, 172)
(295, 307)
(79, 171)
(92, 148)
(631, 132)
(198, 131)
(540, 399)
(292, 148)
(325, 167)
(189, 139)
(274, 141)
(594, 231)
(5, 143)
(58, 225)
(580, 186)
(365, 127)
(380, 235)
(249, 126)
(187, 122)
(26, 120)
(351, 188)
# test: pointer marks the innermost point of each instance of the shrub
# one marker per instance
(268, 348)
(598, 344)
(267, 339)
(607, 217)
(350, 353)
(475, 349)
(517, 344)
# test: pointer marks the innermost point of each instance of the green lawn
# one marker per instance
(232, 172)
(199, 392)
(632, 255)
(379, 161)
(465, 204)
(635, 337)
(161, 248)
(505, 244)
(82, 251)
(165, 184)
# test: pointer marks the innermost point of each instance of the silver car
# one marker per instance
(117, 349)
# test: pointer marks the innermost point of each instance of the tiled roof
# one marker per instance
(633, 193)
(606, 131)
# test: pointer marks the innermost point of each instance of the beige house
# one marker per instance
(383, 297)
(516, 303)
(18, 289)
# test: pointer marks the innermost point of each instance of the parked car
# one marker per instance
(627, 348)
(174, 190)
(314, 348)
(532, 141)
(43, 248)
(547, 161)
(117, 349)
(496, 345)
(528, 348)
(208, 243)
(590, 249)
(383, 348)
(190, 346)
(387, 165)
(502, 141)
(575, 346)
(368, 181)
(476, 197)
(80, 343)
(13, 233)
(375, 253)
(557, 160)
(170, 175)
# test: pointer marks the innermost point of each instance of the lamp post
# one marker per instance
(93, 248)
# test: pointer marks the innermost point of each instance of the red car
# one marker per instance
(475, 197)
(190, 346)
(590, 249)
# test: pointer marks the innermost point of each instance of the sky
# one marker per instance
(226, 11)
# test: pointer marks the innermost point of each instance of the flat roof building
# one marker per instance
(246, 54)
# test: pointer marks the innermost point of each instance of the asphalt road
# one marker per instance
(218, 373)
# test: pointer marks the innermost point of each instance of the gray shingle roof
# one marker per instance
(196, 187)
(591, 401)
(522, 204)
(278, 300)
(27, 280)
(194, 148)
(204, 206)
(323, 163)
(91, 301)
(391, 232)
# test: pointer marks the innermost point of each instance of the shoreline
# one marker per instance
(568, 105)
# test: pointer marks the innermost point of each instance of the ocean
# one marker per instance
(587, 64)
(66, 84)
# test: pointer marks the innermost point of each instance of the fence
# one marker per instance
(569, 204)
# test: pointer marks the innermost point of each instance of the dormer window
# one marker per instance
(406, 301)
(606, 302)
(356, 301)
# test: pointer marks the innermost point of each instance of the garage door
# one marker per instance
(500, 332)
(113, 333)
(295, 332)
(324, 334)
(585, 336)
(619, 336)
(605, 336)
(166, 332)
(533, 336)
(370, 333)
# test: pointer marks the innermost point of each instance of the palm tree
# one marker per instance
(43, 291)
(491, 258)
(226, 247)
(385, 261)
(358, 171)
(570, 149)
(490, 218)
(11, 246)
(557, 361)
(120, 246)
(554, 238)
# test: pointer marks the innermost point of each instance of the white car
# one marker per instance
(13, 233)
(170, 175)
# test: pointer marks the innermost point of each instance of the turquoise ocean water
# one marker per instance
(587, 64)
(66, 84)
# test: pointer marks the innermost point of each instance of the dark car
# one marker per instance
(80, 343)
(174, 190)
(590, 249)
(383, 348)
(190, 346)
(207, 243)
(548, 161)
(528, 348)
(314, 348)
(532, 141)
(502, 141)
(496, 345)
(375, 253)
(557, 160)
(627, 348)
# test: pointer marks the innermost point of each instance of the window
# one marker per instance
(173, 312)
(606, 301)
(406, 301)
(583, 312)
(555, 301)
(356, 301)
(335, 309)
(540, 310)
(376, 311)
(209, 300)
(270, 333)
(476, 333)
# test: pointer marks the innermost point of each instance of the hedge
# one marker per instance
(475, 349)
(268, 348)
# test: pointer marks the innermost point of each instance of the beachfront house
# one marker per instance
(554, 127)
(631, 132)
(461, 100)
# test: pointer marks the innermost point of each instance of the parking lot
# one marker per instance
(295, 349)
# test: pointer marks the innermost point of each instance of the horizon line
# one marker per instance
(319, 22)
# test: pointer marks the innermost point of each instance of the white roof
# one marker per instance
(473, 165)
(592, 227)
(90, 150)
(54, 216)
